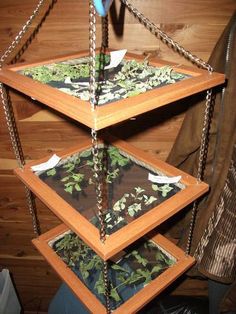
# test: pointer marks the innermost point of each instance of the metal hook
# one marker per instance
(102, 7)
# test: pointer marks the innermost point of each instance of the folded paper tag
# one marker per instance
(52, 162)
(163, 179)
(116, 58)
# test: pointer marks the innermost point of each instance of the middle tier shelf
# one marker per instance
(139, 192)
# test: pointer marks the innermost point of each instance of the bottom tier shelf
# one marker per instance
(137, 274)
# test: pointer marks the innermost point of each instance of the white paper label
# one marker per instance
(116, 58)
(163, 179)
(52, 162)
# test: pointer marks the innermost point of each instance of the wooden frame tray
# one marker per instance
(136, 228)
(135, 302)
(113, 112)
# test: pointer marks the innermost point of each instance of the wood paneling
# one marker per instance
(196, 25)
(35, 281)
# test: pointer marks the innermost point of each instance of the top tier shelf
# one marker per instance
(130, 89)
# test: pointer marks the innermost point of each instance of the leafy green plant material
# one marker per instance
(129, 79)
(118, 173)
(164, 189)
(137, 268)
(61, 71)
(137, 201)
(75, 178)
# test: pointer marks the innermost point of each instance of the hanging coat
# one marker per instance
(214, 236)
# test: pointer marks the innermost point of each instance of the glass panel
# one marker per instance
(129, 78)
(127, 191)
(129, 272)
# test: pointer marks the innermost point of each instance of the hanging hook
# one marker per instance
(102, 6)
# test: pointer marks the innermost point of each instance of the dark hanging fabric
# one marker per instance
(217, 247)
(214, 236)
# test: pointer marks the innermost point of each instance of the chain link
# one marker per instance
(105, 32)
(107, 286)
(97, 173)
(204, 135)
(11, 126)
(21, 33)
(97, 159)
(92, 54)
(10, 119)
(17, 148)
(201, 163)
(32, 210)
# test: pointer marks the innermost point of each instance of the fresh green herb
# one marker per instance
(60, 71)
(80, 258)
(131, 80)
(164, 189)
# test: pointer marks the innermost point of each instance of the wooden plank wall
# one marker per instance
(195, 24)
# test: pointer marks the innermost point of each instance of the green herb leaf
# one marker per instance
(77, 187)
(114, 295)
(51, 172)
(118, 267)
(85, 153)
(69, 189)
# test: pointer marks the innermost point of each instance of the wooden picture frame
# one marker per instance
(133, 230)
(135, 303)
(114, 112)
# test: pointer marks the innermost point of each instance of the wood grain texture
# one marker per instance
(195, 24)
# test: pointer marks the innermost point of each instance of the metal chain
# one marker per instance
(10, 119)
(204, 135)
(92, 54)
(17, 148)
(97, 169)
(165, 38)
(11, 126)
(21, 33)
(97, 173)
(107, 286)
(207, 115)
(95, 150)
(97, 161)
(201, 163)
(32, 210)
(105, 32)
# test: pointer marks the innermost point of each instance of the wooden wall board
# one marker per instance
(54, 136)
(153, 132)
(36, 283)
(16, 229)
(201, 12)
(13, 207)
(74, 16)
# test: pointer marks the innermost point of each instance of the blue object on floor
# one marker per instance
(65, 302)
